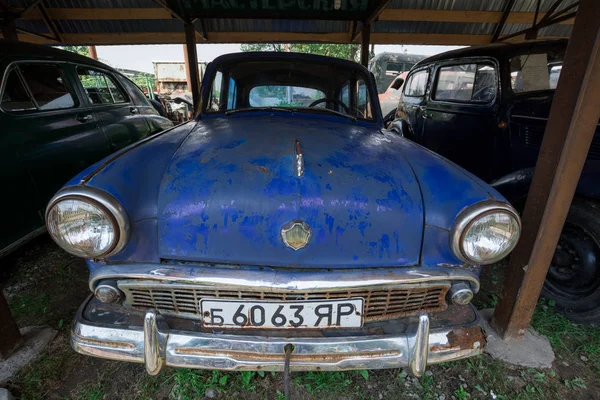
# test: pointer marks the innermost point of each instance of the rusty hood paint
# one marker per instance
(231, 186)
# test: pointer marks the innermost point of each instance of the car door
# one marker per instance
(52, 136)
(460, 118)
(154, 120)
(412, 101)
(21, 215)
(119, 116)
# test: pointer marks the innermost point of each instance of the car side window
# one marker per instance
(416, 84)
(474, 83)
(214, 103)
(362, 99)
(344, 95)
(15, 96)
(39, 86)
(100, 87)
(231, 95)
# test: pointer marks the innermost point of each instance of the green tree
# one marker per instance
(262, 47)
(82, 50)
(344, 51)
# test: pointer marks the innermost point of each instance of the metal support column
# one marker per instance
(10, 337)
(365, 38)
(573, 118)
(191, 64)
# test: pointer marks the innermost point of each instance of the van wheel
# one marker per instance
(573, 279)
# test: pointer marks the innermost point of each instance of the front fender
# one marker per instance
(515, 186)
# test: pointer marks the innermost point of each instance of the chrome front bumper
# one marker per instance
(155, 344)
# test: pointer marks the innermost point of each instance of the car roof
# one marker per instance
(277, 55)
(500, 49)
(10, 48)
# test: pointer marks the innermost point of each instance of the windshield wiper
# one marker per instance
(237, 110)
(326, 111)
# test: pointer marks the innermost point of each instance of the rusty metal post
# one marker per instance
(10, 337)
(573, 118)
(365, 38)
(191, 64)
(93, 52)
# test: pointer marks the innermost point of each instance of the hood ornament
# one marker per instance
(299, 160)
(296, 234)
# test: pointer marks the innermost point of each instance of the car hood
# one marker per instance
(232, 185)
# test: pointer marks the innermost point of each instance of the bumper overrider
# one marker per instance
(148, 336)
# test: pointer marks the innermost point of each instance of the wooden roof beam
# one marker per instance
(508, 5)
(258, 37)
(50, 23)
(377, 11)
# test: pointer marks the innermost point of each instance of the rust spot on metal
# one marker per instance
(206, 314)
(462, 339)
(263, 169)
(243, 355)
(104, 343)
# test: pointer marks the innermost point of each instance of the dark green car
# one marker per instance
(59, 113)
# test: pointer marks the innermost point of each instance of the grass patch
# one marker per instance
(190, 384)
(330, 382)
(93, 391)
(25, 305)
(43, 375)
(566, 337)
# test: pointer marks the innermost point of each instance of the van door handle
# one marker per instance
(84, 117)
(133, 110)
(423, 108)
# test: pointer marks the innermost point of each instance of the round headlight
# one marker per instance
(486, 232)
(86, 222)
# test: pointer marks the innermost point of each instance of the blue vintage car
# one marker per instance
(284, 222)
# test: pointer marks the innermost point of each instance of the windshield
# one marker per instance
(535, 72)
(294, 85)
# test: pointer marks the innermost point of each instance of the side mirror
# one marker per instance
(396, 127)
(397, 84)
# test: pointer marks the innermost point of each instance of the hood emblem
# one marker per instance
(296, 234)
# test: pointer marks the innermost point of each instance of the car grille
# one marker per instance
(183, 300)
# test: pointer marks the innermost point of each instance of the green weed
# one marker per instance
(461, 393)
(575, 383)
(91, 392)
(331, 382)
(191, 384)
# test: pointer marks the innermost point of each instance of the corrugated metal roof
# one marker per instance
(300, 26)
(89, 3)
(475, 5)
(433, 27)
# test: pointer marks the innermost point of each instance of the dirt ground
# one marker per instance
(45, 286)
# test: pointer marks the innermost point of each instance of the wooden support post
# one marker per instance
(191, 64)
(365, 37)
(93, 52)
(9, 31)
(10, 337)
(573, 118)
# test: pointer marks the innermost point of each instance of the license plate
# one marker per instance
(346, 313)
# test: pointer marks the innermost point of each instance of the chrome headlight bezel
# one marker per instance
(470, 215)
(103, 201)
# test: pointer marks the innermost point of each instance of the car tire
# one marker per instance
(573, 279)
